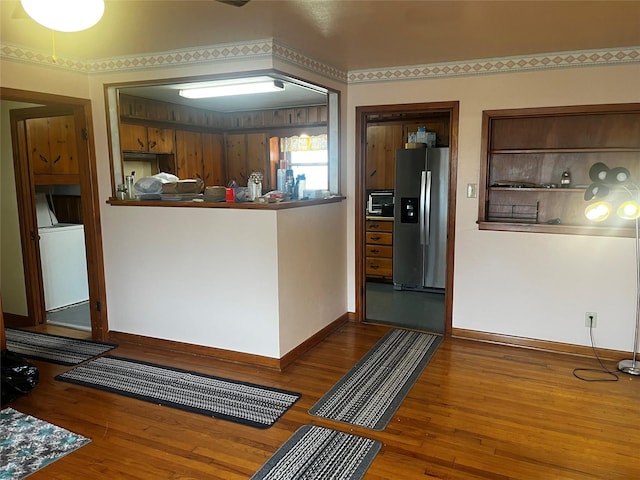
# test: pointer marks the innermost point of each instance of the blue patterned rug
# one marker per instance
(53, 348)
(28, 444)
(240, 402)
(371, 392)
(318, 453)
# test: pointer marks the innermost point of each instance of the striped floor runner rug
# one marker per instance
(371, 392)
(240, 402)
(53, 348)
(318, 453)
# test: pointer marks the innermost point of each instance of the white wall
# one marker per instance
(312, 257)
(14, 298)
(529, 285)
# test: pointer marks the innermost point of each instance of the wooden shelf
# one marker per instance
(534, 147)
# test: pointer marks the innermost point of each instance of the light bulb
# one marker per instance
(597, 212)
(65, 15)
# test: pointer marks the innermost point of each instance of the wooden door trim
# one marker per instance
(81, 109)
(362, 113)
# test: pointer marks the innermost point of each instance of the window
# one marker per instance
(308, 156)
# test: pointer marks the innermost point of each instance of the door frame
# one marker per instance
(363, 113)
(81, 109)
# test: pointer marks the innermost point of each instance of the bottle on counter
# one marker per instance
(290, 185)
(130, 181)
(301, 182)
(281, 177)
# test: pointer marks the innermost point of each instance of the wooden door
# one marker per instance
(51, 145)
(133, 138)
(189, 154)
(213, 159)
(79, 110)
(160, 140)
(237, 158)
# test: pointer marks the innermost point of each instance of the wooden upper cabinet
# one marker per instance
(52, 145)
(140, 138)
(214, 169)
(133, 137)
(247, 153)
(382, 143)
(257, 153)
(236, 155)
(189, 154)
(160, 140)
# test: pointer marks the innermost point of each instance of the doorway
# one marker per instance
(381, 130)
(75, 184)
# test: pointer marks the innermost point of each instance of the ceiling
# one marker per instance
(346, 34)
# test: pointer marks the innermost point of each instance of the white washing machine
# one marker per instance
(63, 259)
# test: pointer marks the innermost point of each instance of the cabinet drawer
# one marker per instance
(377, 238)
(379, 266)
(379, 251)
(378, 226)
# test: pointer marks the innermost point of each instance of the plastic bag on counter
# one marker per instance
(19, 377)
(150, 188)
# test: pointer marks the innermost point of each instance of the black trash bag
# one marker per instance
(19, 377)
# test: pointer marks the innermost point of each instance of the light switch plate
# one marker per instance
(472, 190)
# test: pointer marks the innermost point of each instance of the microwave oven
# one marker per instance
(380, 202)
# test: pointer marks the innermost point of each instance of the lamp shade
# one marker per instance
(65, 15)
(596, 190)
(598, 211)
(618, 175)
(598, 172)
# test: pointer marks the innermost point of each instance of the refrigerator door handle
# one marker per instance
(425, 206)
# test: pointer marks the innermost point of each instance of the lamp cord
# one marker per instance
(611, 376)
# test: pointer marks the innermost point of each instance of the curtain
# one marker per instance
(303, 143)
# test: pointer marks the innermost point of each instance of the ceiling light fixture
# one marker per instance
(65, 15)
(247, 87)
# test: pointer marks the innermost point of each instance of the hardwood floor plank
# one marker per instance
(478, 411)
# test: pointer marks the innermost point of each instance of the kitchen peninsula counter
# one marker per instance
(233, 205)
(251, 282)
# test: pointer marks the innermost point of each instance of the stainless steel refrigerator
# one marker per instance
(420, 219)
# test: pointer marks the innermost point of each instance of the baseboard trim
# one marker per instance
(533, 344)
(14, 320)
(228, 355)
(312, 341)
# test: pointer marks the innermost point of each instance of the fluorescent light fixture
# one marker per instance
(227, 89)
(65, 15)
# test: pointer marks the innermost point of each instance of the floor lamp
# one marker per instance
(604, 181)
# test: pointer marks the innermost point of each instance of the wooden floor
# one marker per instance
(478, 411)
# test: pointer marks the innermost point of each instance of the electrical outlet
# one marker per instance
(591, 319)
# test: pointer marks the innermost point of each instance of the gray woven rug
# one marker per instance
(320, 453)
(53, 348)
(240, 402)
(371, 392)
(28, 444)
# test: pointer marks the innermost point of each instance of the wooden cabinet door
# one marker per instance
(382, 143)
(257, 153)
(237, 158)
(214, 171)
(188, 154)
(133, 138)
(160, 140)
(51, 142)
